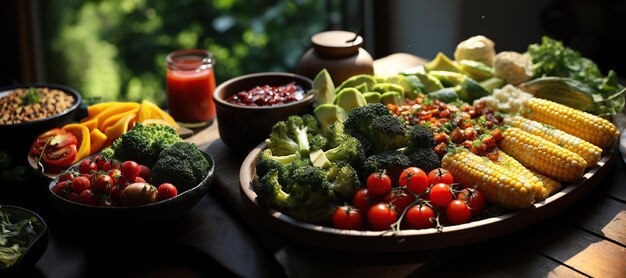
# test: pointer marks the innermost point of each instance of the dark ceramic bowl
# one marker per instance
(36, 249)
(136, 218)
(243, 127)
(23, 134)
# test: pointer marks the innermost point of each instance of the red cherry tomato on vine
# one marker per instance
(130, 169)
(347, 218)
(399, 198)
(420, 217)
(415, 179)
(378, 183)
(474, 199)
(87, 166)
(440, 194)
(440, 175)
(381, 216)
(458, 212)
(362, 200)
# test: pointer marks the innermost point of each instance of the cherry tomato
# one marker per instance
(474, 199)
(107, 166)
(440, 194)
(102, 184)
(62, 157)
(99, 161)
(415, 179)
(88, 198)
(362, 200)
(381, 216)
(73, 196)
(399, 198)
(347, 218)
(420, 217)
(144, 172)
(440, 175)
(166, 191)
(66, 176)
(80, 184)
(130, 169)
(115, 192)
(60, 188)
(458, 212)
(378, 183)
(87, 166)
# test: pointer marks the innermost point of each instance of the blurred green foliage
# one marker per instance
(116, 49)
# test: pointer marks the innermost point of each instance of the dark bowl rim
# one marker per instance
(71, 91)
(44, 232)
(308, 95)
(160, 203)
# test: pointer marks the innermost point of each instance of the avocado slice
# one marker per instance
(350, 98)
(442, 62)
(392, 98)
(356, 81)
(372, 97)
(492, 83)
(448, 78)
(388, 87)
(430, 83)
(328, 114)
(470, 90)
(446, 95)
(410, 89)
(324, 88)
(363, 88)
(476, 70)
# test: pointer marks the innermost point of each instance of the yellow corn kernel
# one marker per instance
(514, 166)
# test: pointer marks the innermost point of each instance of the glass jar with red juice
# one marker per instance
(190, 85)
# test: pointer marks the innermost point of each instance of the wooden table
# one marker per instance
(217, 238)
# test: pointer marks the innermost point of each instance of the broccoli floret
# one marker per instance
(335, 135)
(425, 159)
(348, 150)
(292, 135)
(309, 187)
(343, 180)
(376, 128)
(391, 161)
(420, 137)
(143, 143)
(270, 193)
(267, 161)
(182, 164)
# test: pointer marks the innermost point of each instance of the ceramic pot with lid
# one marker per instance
(339, 52)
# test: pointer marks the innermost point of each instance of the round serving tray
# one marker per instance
(412, 240)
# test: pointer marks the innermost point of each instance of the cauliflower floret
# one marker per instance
(513, 67)
(477, 48)
(508, 99)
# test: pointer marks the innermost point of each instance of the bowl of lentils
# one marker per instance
(248, 106)
(30, 109)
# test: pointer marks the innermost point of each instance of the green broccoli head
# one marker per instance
(388, 133)
(335, 135)
(424, 158)
(391, 161)
(292, 135)
(360, 118)
(376, 128)
(270, 192)
(349, 150)
(420, 137)
(267, 161)
(182, 164)
(143, 143)
(343, 180)
(309, 187)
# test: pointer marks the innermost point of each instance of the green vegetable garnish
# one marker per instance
(15, 238)
(31, 97)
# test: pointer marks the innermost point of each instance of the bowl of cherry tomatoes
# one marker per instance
(101, 193)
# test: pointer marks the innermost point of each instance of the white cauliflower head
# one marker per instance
(513, 67)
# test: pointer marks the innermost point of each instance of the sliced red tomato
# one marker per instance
(58, 138)
(62, 157)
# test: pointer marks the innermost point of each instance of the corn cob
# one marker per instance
(589, 152)
(514, 166)
(550, 186)
(591, 128)
(499, 185)
(542, 155)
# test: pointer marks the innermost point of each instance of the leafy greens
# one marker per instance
(15, 238)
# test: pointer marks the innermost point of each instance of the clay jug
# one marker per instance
(339, 52)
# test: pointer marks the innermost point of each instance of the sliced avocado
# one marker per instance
(470, 90)
(476, 70)
(410, 89)
(379, 79)
(492, 83)
(442, 62)
(372, 97)
(318, 159)
(356, 81)
(324, 88)
(446, 95)
(363, 88)
(328, 114)
(350, 98)
(414, 70)
(388, 87)
(448, 78)
(415, 83)
(431, 83)
(392, 98)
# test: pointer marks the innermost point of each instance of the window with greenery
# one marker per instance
(116, 49)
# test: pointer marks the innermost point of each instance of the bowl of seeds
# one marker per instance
(30, 109)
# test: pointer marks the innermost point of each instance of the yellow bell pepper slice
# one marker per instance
(114, 118)
(120, 127)
(150, 110)
(91, 123)
(95, 109)
(81, 132)
(98, 138)
(114, 110)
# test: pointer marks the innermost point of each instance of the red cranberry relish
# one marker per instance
(268, 95)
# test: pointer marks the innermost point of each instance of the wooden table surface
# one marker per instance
(218, 238)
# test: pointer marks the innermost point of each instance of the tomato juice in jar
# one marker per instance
(190, 85)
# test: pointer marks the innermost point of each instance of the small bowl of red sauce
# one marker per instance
(248, 106)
